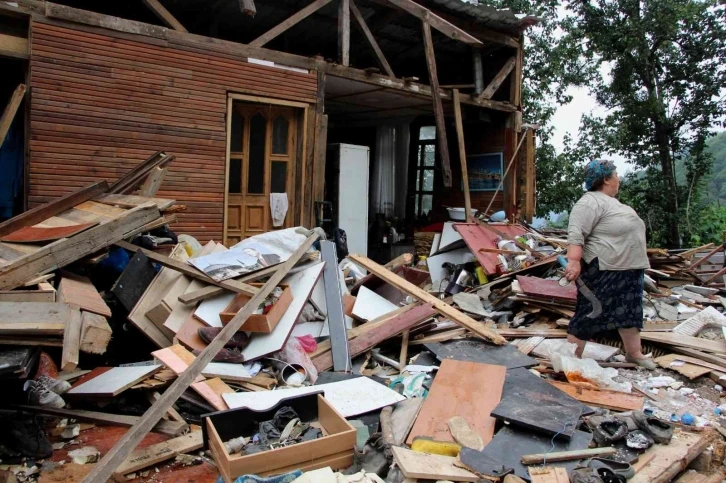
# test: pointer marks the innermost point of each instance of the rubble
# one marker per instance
(472, 338)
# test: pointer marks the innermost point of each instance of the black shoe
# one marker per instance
(660, 431)
(26, 436)
(610, 431)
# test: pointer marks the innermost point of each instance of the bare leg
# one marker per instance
(631, 341)
(580, 345)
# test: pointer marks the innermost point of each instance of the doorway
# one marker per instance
(263, 153)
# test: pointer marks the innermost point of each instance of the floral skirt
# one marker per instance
(621, 294)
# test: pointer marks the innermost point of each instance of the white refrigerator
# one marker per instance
(352, 203)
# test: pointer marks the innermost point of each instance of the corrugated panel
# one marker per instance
(101, 104)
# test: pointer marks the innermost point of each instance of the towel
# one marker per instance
(278, 208)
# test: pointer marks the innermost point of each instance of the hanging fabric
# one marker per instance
(390, 170)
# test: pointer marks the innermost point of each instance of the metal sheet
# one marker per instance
(334, 302)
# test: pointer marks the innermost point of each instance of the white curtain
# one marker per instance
(390, 170)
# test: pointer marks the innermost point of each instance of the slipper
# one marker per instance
(609, 431)
(660, 431)
(619, 468)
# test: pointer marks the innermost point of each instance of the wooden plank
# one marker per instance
(33, 318)
(430, 466)
(156, 453)
(496, 82)
(71, 342)
(696, 361)
(679, 340)
(62, 252)
(669, 460)
(95, 333)
(211, 390)
(361, 22)
(453, 395)
(614, 400)
(344, 32)
(462, 152)
(389, 327)
(188, 270)
(131, 201)
(50, 209)
(548, 474)
(153, 182)
(164, 15)
(13, 46)
(10, 110)
(691, 371)
(443, 26)
(438, 107)
(319, 154)
(113, 382)
(79, 292)
(441, 307)
(36, 234)
(111, 460)
(580, 454)
(289, 22)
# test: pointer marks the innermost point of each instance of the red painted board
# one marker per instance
(470, 390)
(550, 289)
(33, 234)
(476, 237)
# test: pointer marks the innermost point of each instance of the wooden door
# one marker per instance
(262, 157)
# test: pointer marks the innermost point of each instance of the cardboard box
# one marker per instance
(258, 322)
(334, 449)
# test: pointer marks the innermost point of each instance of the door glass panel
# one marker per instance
(427, 132)
(428, 180)
(427, 202)
(256, 172)
(429, 150)
(280, 128)
(235, 145)
(418, 180)
(278, 177)
(235, 176)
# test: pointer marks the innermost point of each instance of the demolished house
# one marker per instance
(246, 247)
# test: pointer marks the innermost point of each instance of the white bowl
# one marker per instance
(459, 214)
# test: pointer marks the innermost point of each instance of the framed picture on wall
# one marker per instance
(485, 171)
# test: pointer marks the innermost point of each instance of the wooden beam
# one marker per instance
(247, 7)
(438, 107)
(498, 79)
(71, 342)
(10, 110)
(153, 182)
(188, 270)
(462, 153)
(443, 26)
(293, 20)
(361, 22)
(164, 15)
(52, 208)
(344, 32)
(105, 468)
(441, 307)
(12, 46)
(516, 80)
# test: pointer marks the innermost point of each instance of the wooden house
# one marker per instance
(247, 94)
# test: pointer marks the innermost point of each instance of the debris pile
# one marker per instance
(275, 357)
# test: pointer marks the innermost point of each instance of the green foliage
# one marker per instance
(710, 227)
(664, 77)
(717, 181)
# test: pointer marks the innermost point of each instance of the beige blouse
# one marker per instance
(608, 230)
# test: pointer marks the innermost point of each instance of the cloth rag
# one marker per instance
(278, 208)
(286, 478)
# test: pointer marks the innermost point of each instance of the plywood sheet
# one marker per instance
(477, 237)
(369, 305)
(188, 334)
(208, 311)
(79, 292)
(114, 381)
(676, 363)
(617, 401)
(474, 350)
(34, 234)
(430, 467)
(457, 390)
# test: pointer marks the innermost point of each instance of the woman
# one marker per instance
(607, 250)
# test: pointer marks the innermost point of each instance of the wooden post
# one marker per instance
(164, 15)
(10, 110)
(344, 32)
(403, 356)
(530, 203)
(462, 153)
(247, 7)
(438, 107)
(104, 469)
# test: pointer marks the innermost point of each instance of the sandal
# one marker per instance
(619, 468)
(644, 363)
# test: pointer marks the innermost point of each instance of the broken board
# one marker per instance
(134, 280)
(34, 318)
(676, 363)
(532, 403)
(35, 234)
(79, 292)
(458, 390)
(614, 400)
(369, 305)
(547, 289)
(474, 350)
(142, 458)
(510, 443)
(430, 466)
(208, 311)
(301, 284)
(113, 382)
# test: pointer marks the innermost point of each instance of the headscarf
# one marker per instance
(596, 170)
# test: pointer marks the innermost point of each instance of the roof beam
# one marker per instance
(371, 40)
(164, 15)
(438, 106)
(443, 26)
(289, 22)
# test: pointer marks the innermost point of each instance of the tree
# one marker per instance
(663, 82)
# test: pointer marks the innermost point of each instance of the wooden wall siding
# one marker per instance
(100, 103)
